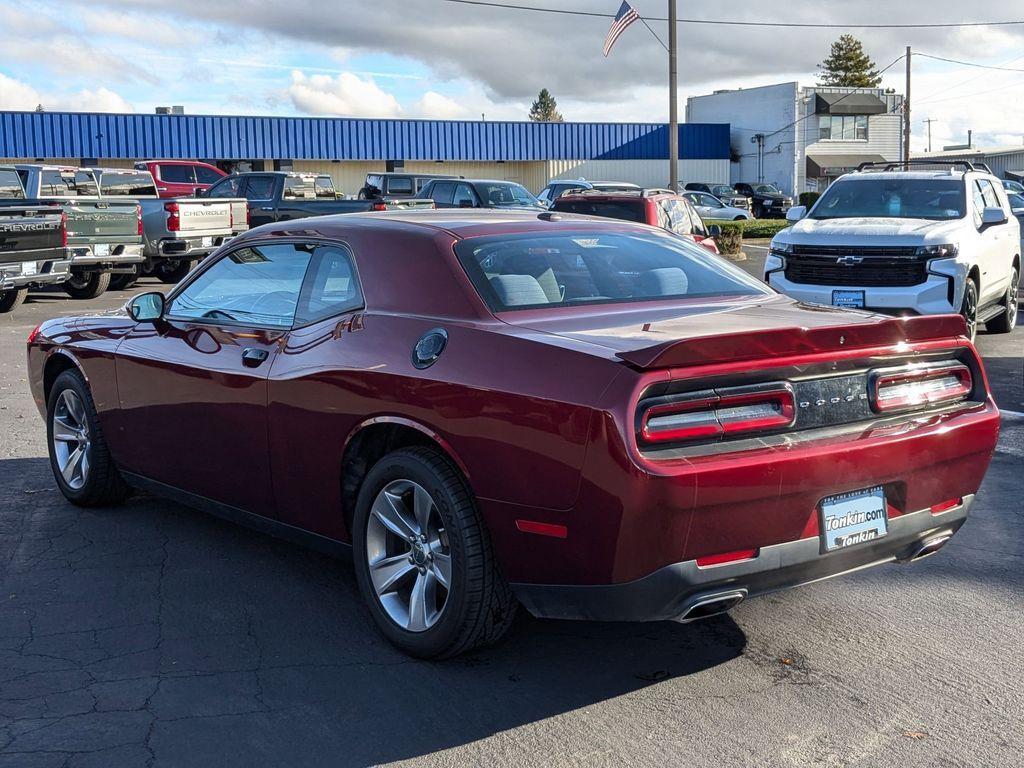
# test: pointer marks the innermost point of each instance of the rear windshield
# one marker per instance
(309, 188)
(67, 183)
(627, 210)
(892, 198)
(128, 184)
(578, 268)
(10, 185)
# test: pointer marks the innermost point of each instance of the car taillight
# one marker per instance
(138, 218)
(726, 558)
(34, 334)
(63, 230)
(173, 217)
(231, 216)
(915, 387)
(716, 414)
(380, 206)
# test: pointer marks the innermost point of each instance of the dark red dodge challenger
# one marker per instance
(592, 418)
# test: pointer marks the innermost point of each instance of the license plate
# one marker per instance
(853, 518)
(848, 299)
(103, 249)
(29, 268)
(207, 242)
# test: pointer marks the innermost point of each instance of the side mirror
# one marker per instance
(146, 307)
(796, 213)
(714, 230)
(991, 216)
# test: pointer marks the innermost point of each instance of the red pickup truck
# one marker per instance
(657, 207)
(181, 178)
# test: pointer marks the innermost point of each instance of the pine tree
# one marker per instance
(848, 65)
(545, 108)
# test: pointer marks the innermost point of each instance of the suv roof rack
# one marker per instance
(588, 192)
(905, 165)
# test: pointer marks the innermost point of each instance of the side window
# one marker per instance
(664, 219)
(206, 175)
(979, 203)
(331, 286)
(464, 192)
(543, 196)
(695, 220)
(259, 188)
(256, 285)
(679, 217)
(989, 194)
(442, 191)
(229, 187)
(177, 174)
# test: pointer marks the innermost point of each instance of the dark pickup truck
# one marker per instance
(282, 196)
(33, 242)
(766, 200)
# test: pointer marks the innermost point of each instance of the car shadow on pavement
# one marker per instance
(152, 633)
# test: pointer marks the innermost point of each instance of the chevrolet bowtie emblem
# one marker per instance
(849, 261)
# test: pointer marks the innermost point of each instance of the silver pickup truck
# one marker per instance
(104, 237)
(177, 232)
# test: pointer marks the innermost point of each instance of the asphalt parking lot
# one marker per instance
(154, 635)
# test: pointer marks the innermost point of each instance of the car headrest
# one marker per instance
(667, 281)
(518, 290)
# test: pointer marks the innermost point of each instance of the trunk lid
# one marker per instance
(202, 215)
(102, 221)
(28, 232)
(730, 330)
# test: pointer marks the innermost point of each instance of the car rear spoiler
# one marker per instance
(780, 342)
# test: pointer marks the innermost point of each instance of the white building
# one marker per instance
(1004, 162)
(800, 138)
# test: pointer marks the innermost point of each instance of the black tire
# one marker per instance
(122, 281)
(86, 285)
(1007, 321)
(480, 607)
(172, 272)
(11, 299)
(969, 307)
(740, 218)
(103, 485)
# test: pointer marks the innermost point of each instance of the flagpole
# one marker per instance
(673, 106)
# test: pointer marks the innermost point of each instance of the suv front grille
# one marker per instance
(879, 267)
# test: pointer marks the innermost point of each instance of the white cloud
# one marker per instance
(344, 95)
(436, 106)
(16, 95)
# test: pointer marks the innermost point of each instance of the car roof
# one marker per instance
(918, 174)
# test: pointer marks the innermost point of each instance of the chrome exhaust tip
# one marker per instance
(711, 604)
(930, 547)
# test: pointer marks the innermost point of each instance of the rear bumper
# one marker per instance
(669, 592)
(192, 246)
(102, 254)
(32, 273)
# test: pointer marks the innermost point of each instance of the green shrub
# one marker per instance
(762, 227)
(730, 239)
(808, 199)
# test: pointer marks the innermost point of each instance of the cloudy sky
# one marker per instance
(432, 58)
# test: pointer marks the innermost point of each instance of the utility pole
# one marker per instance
(906, 117)
(928, 122)
(673, 106)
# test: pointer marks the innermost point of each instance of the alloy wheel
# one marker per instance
(71, 439)
(970, 310)
(1012, 297)
(408, 555)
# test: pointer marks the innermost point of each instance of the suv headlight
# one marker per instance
(780, 249)
(941, 251)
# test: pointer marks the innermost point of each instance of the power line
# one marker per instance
(969, 63)
(734, 23)
(973, 78)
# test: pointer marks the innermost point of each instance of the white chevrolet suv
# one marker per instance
(906, 242)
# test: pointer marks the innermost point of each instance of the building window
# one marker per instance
(842, 127)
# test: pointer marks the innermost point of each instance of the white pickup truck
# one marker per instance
(912, 241)
(176, 232)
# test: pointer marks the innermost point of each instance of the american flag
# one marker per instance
(627, 15)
